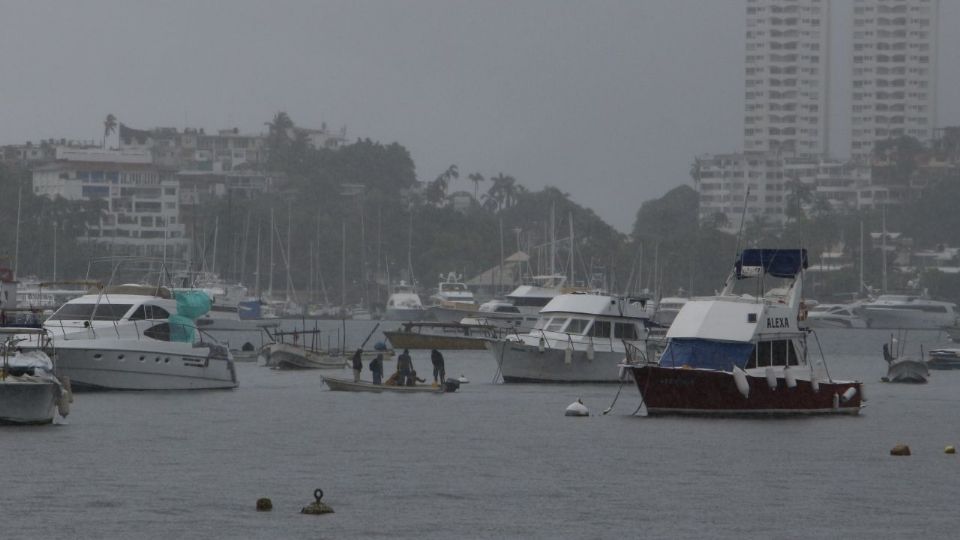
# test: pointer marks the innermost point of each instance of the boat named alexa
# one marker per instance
(740, 354)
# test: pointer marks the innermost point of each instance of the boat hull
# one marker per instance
(140, 365)
(891, 319)
(284, 356)
(523, 363)
(415, 340)
(400, 314)
(907, 371)
(28, 402)
(704, 392)
(343, 385)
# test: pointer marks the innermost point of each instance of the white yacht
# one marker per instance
(453, 299)
(908, 312)
(499, 314)
(404, 305)
(579, 338)
(137, 338)
(835, 316)
(668, 308)
(532, 297)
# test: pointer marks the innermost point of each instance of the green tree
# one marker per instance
(109, 126)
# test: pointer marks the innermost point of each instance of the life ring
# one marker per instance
(318, 494)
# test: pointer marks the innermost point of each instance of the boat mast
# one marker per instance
(270, 277)
(572, 257)
(500, 271)
(553, 240)
(883, 248)
(216, 233)
(343, 267)
(16, 245)
(289, 255)
(860, 288)
(257, 270)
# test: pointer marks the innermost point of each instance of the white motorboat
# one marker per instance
(404, 305)
(453, 300)
(737, 354)
(903, 369)
(946, 358)
(292, 356)
(835, 316)
(137, 338)
(579, 338)
(499, 314)
(530, 298)
(902, 311)
(30, 392)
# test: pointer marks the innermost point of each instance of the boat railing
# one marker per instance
(635, 353)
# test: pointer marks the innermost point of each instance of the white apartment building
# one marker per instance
(723, 180)
(894, 72)
(787, 71)
(142, 200)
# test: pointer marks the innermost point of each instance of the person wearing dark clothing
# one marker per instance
(438, 369)
(405, 368)
(357, 365)
(376, 369)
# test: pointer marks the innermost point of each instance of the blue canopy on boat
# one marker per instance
(782, 263)
(706, 354)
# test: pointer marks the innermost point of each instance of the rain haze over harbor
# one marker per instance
(540, 269)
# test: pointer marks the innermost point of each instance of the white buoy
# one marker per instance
(577, 408)
(590, 351)
(789, 377)
(771, 378)
(568, 355)
(541, 345)
(462, 379)
(740, 378)
(848, 395)
(814, 384)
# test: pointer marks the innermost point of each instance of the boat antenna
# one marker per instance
(743, 218)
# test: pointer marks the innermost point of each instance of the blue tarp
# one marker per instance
(782, 263)
(706, 354)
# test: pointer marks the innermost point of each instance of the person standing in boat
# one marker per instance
(438, 368)
(357, 364)
(404, 368)
(376, 369)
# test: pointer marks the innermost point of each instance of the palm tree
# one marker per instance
(504, 190)
(109, 126)
(437, 190)
(476, 178)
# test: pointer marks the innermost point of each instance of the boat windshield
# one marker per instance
(577, 326)
(556, 324)
(706, 354)
(453, 287)
(84, 312)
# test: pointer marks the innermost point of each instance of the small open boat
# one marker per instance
(287, 356)
(441, 335)
(904, 369)
(344, 385)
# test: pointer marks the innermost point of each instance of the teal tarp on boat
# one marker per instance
(191, 305)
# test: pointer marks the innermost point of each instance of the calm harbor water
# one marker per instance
(491, 461)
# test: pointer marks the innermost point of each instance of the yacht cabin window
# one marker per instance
(773, 353)
(542, 323)
(84, 312)
(624, 331)
(147, 312)
(556, 324)
(577, 326)
(160, 332)
(600, 329)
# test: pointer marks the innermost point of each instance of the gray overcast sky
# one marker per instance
(606, 100)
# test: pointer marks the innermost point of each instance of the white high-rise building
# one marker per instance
(894, 72)
(787, 71)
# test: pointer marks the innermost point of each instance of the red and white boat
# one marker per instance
(744, 354)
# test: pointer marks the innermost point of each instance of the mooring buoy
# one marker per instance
(317, 507)
(900, 450)
(264, 504)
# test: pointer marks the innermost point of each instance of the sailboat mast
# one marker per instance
(270, 277)
(343, 266)
(860, 288)
(572, 257)
(257, 270)
(553, 240)
(216, 233)
(883, 247)
(289, 288)
(500, 271)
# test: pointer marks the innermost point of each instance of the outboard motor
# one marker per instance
(451, 385)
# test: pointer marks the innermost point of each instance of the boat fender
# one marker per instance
(590, 351)
(848, 395)
(622, 374)
(577, 408)
(771, 378)
(789, 377)
(568, 355)
(65, 398)
(317, 507)
(814, 384)
(740, 378)
(836, 401)
(541, 345)
(863, 397)
(463, 379)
